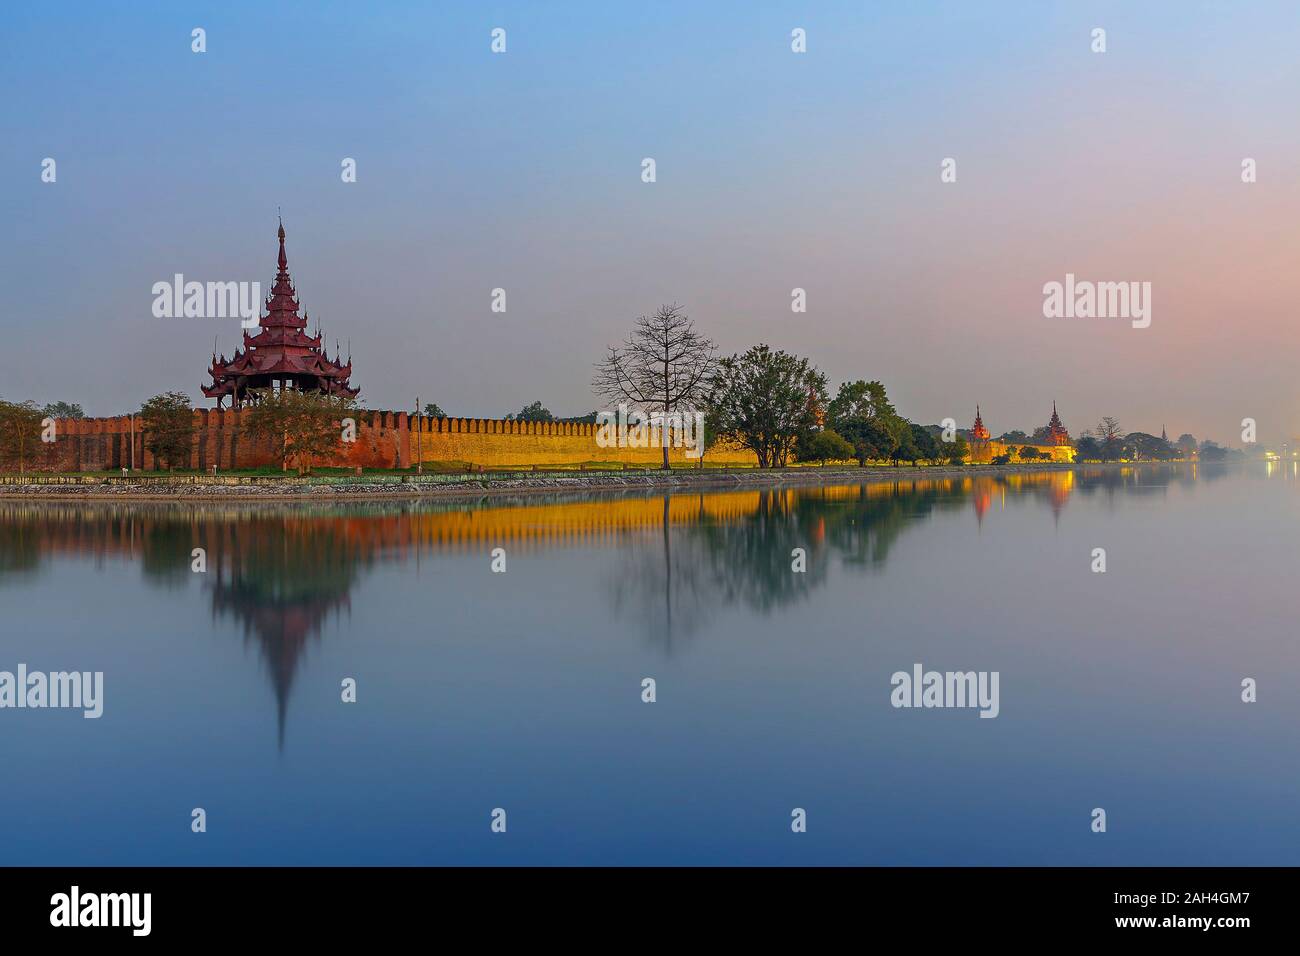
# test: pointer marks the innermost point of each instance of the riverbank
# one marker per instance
(161, 487)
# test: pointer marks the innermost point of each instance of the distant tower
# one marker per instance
(978, 431)
(1055, 430)
(1163, 436)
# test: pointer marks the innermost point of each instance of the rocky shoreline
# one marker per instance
(382, 487)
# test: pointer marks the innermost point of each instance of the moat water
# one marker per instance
(523, 690)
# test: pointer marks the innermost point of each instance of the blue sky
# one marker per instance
(775, 170)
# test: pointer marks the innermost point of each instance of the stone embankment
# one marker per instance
(227, 487)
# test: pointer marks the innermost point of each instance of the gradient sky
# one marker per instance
(775, 170)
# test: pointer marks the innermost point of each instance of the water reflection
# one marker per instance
(279, 572)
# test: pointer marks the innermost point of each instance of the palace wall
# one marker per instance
(394, 440)
(384, 440)
(982, 452)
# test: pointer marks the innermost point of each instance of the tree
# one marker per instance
(824, 446)
(861, 413)
(63, 410)
(433, 410)
(308, 425)
(955, 450)
(900, 430)
(1149, 447)
(535, 412)
(924, 444)
(873, 440)
(1001, 460)
(664, 366)
(168, 426)
(1087, 448)
(1187, 444)
(1211, 451)
(1029, 453)
(1110, 436)
(20, 433)
(765, 399)
(1015, 437)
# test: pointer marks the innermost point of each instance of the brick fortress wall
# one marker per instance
(384, 440)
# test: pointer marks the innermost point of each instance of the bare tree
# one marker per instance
(664, 367)
(1110, 436)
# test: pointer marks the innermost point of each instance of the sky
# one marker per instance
(775, 170)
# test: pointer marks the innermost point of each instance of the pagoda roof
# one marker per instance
(280, 348)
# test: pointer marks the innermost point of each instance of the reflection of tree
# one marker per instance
(746, 559)
(661, 584)
(749, 559)
(865, 528)
(20, 550)
(165, 549)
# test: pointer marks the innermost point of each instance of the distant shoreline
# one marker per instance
(159, 487)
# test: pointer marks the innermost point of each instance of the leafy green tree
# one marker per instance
(1211, 451)
(1015, 437)
(1144, 447)
(20, 433)
(308, 425)
(824, 446)
(860, 400)
(1028, 453)
(876, 440)
(1001, 460)
(862, 414)
(924, 444)
(168, 425)
(900, 429)
(434, 410)
(764, 400)
(1087, 448)
(532, 413)
(63, 410)
(956, 450)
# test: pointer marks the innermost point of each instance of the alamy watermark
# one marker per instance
(75, 908)
(639, 429)
(922, 688)
(76, 690)
(207, 300)
(1083, 299)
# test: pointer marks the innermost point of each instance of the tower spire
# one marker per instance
(282, 353)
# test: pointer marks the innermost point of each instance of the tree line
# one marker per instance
(767, 400)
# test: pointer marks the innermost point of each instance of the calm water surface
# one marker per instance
(522, 690)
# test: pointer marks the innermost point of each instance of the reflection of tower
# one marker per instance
(1058, 492)
(982, 498)
(281, 578)
(281, 630)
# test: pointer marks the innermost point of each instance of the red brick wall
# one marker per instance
(104, 444)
